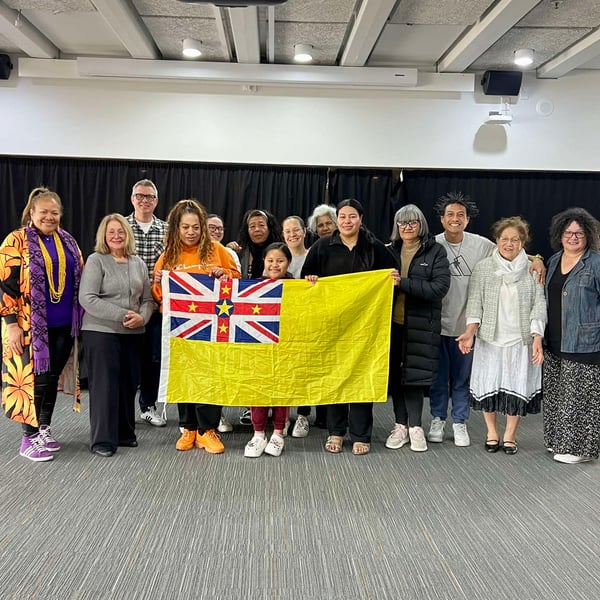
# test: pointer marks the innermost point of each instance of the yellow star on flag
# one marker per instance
(192, 307)
(223, 328)
(256, 309)
(224, 308)
(226, 289)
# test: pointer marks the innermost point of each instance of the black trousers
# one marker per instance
(150, 363)
(198, 417)
(407, 400)
(113, 364)
(45, 384)
(356, 417)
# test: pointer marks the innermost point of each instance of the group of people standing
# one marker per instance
(473, 321)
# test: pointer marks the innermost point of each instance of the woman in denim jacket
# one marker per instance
(572, 369)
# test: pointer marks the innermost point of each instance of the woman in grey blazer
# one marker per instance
(506, 310)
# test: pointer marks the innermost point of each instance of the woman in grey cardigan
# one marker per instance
(115, 293)
(506, 309)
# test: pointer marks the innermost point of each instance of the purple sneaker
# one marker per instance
(49, 442)
(32, 447)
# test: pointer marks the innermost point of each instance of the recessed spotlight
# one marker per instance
(191, 48)
(303, 53)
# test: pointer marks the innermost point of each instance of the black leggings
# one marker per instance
(45, 384)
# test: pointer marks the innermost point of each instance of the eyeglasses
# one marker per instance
(511, 240)
(579, 235)
(142, 197)
(407, 224)
(216, 228)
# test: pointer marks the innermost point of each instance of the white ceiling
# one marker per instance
(445, 36)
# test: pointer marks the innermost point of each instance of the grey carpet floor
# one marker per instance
(153, 523)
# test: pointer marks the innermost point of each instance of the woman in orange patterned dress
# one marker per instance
(40, 269)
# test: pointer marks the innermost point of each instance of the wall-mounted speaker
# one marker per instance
(5, 66)
(502, 83)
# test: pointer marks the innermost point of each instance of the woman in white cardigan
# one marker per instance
(506, 310)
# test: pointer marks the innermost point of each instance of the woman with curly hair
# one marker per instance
(572, 367)
(40, 270)
(189, 247)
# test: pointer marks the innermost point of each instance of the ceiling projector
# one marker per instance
(498, 118)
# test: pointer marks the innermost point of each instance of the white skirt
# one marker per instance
(504, 380)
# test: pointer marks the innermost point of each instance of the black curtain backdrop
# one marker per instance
(536, 196)
(92, 188)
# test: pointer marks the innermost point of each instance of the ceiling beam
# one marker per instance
(368, 25)
(577, 55)
(244, 26)
(16, 28)
(271, 34)
(122, 17)
(223, 38)
(486, 32)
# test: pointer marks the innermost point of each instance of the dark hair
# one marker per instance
(586, 221)
(517, 223)
(215, 216)
(173, 243)
(272, 224)
(281, 247)
(37, 194)
(296, 218)
(352, 203)
(456, 198)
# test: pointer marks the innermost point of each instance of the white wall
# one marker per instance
(197, 122)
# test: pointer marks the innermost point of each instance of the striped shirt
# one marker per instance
(149, 246)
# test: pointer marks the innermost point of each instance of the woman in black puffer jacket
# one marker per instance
(416, 323)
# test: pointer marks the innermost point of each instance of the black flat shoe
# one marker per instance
(492, 445)
(105, 452)
(130, 444)
(512, 449)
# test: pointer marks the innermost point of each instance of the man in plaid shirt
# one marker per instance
(149, 233)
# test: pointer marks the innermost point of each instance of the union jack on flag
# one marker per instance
(237, 310)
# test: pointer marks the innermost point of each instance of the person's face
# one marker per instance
(409, 229)
(116, 237)
(293, 233)
(348, 221)
(258, 230)
(215, 228)
(45, 215)
(189, 229)
(276, 264)
(455, 219)
(509, 243)
(573, 238)
(144, 200)
(325, 226)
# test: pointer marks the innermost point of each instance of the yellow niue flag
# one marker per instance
(276, 342)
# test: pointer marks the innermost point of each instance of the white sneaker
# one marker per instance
(286, 428)
(398, 437)
(255, 447)
(301, 427)
(275, 445)
(151, 416)
(571, 459)
(224, 426)
(417, 439)
(436, 430)
(461, 435)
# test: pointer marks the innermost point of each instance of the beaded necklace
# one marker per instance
(55, 293)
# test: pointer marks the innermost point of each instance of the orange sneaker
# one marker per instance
(186, 441)
(211, 441)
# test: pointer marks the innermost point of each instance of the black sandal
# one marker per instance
(492, 445)
(512, 449)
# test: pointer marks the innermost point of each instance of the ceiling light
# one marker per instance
(303, 53)
(191, 48)
(523, 57)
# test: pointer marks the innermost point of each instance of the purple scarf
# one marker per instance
(37, 284)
